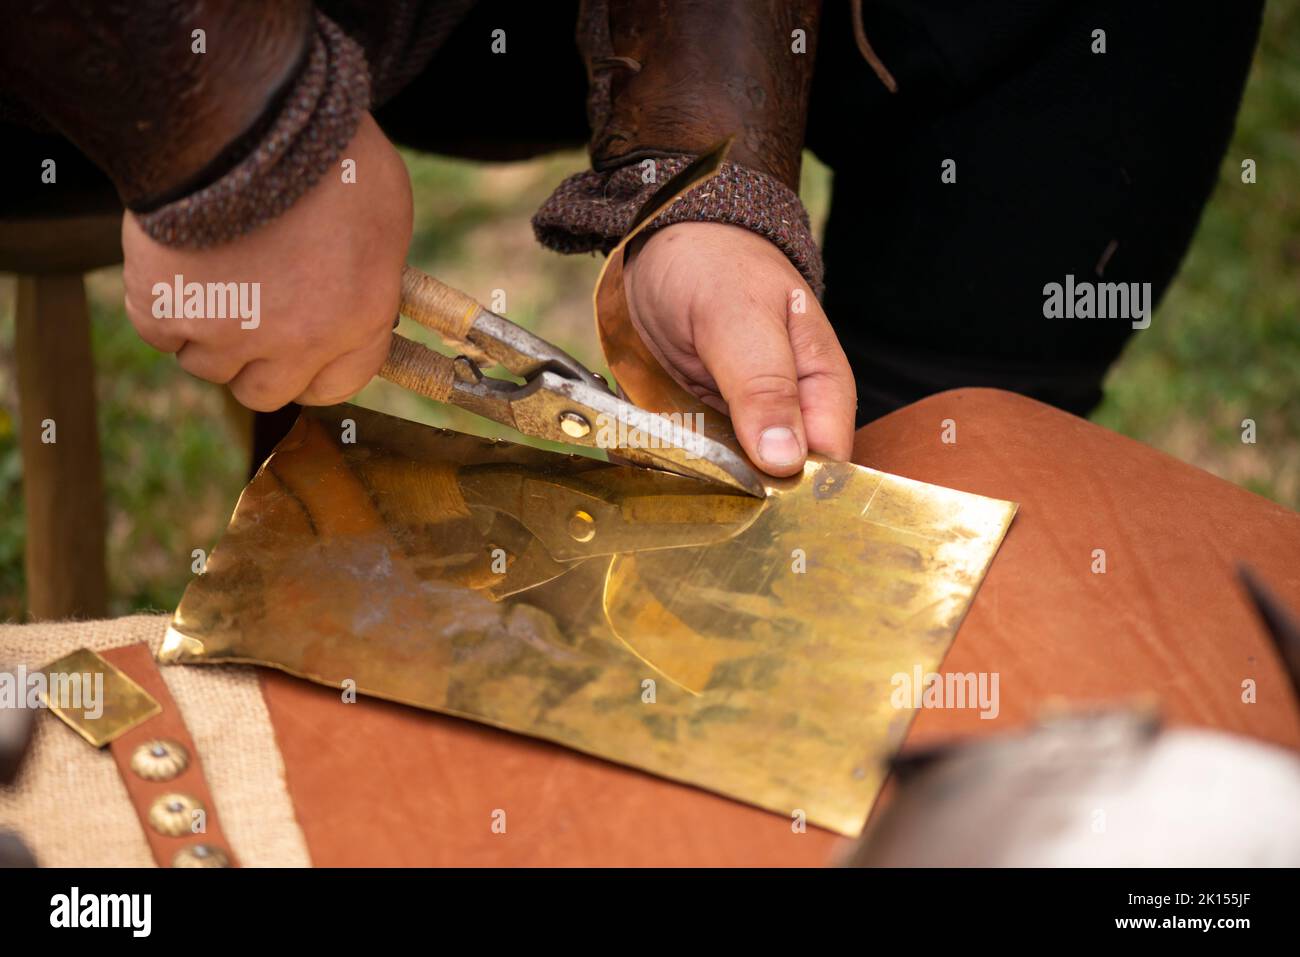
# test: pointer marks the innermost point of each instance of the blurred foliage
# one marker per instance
(1224, 346)
(173, 460)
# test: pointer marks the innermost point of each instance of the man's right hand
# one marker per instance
(329, 270)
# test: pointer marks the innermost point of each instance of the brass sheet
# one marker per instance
(94, 698)
(542, 593)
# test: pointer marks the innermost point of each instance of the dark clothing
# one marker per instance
(1068, 162)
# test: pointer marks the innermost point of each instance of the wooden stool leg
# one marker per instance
(62, 482)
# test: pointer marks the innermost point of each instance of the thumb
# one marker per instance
(756, 375)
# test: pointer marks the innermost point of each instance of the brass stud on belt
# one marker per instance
(201, 855)
(160, 759)
(173, 814)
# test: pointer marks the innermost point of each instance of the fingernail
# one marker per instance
(778, 446)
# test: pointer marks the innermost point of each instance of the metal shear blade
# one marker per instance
(585, 412)
(560, 400)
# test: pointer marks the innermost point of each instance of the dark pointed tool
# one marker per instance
(1279, 621)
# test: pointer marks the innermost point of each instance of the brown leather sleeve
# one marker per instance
(676, 76)
(122, 81)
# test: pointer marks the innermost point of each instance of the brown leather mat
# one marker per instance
(1168, 618)
(379, 784)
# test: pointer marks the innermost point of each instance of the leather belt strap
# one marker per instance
(164, 777)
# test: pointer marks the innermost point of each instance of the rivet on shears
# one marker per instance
(574, 425)
(582, 527)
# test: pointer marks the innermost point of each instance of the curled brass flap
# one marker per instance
(636, 371)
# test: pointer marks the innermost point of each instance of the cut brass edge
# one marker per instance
(178, 647)
(852, 829)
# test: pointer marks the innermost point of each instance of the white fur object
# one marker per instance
(1101, 791)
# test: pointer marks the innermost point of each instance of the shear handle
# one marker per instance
(462, 321)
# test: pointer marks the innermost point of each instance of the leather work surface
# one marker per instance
(740, 644)
(1166, 619)
(379, 784)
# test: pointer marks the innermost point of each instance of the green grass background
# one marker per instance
(1224, 346)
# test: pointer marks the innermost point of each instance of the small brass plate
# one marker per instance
(94, 698)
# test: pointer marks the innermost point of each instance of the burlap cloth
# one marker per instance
(69, 803)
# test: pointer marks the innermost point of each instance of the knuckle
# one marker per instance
(329, 390)
(770, 389)
(817, 348)
(842, 383)
(206, 370)
(256, 395)
(346, 376)
(137, 313)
